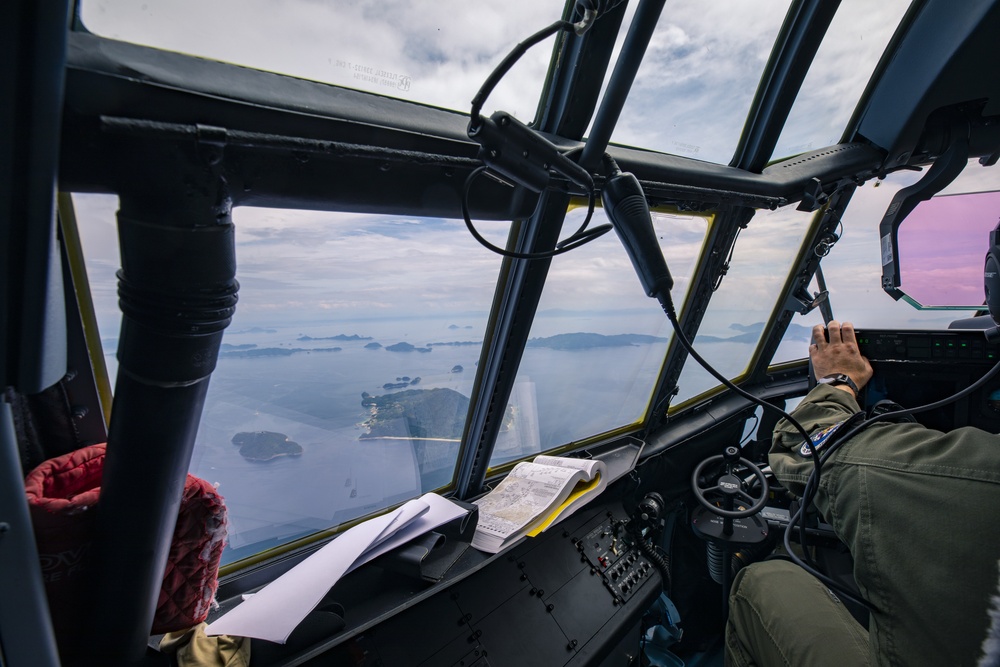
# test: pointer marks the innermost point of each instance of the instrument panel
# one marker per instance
(919, 367)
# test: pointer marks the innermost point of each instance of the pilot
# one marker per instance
(918, 510)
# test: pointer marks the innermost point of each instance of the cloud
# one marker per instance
(690, 97)
(694, 88)
(437, 53)
(697, 81)
(843, 65)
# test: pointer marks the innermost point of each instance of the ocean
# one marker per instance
(314, 398)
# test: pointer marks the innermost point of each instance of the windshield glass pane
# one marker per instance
(597, 342)
(343, 382)
(436, 53)
(942, 248)
(701, 71)
(844, 63)
(739, 309)
(853, 269)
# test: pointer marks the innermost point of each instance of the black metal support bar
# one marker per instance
(518, 300)
(32, 326)
(177, 293)
(794, 49)
(721, 236)
(521, 281)
(573, 88)
(146, 129)
(26, 636)
(639, 34)
(816, 245)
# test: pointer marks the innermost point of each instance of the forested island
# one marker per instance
(265, 445)
(402, 383)
(406, 347)
(417, 413)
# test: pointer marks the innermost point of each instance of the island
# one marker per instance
(585, 341)
(406, 347)
(304, 337)
(373, 346)
(256, 352)
(457, 368)
(253, 330)
(227, 347)
(416, 413)
(431, 420)
(401, 383)
(750, 333)
(261, 446)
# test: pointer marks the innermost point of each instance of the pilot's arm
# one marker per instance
(914, 505)
(826, 408)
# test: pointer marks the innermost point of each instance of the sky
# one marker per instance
(941, 248)
(690, 98)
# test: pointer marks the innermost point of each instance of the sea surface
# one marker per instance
(313, 396)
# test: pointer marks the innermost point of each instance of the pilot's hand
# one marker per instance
(835, 350)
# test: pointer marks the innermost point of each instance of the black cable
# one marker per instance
(668, 307)
(494, 78)
(827, 581)
(579, 238)
(725, 265)
(591, 9)
(661, 561)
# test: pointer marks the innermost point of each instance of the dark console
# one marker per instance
(574, 595)
(915, 368)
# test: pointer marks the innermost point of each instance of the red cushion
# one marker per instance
(63, 498)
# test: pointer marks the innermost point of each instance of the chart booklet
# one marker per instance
(534, 496)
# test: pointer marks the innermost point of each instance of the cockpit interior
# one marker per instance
(273, 271)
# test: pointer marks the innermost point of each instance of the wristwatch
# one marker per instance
(840, 378)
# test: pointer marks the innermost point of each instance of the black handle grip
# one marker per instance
(626, 206)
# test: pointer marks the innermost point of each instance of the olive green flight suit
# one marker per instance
(919, 510)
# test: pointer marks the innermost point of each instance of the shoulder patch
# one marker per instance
(820, 437)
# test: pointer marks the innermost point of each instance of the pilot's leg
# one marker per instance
(779, 614)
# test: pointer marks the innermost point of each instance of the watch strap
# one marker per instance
(835, 379)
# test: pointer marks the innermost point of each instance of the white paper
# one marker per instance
(274, 611)
(440, 511)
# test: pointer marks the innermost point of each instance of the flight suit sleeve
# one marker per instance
(913, 506)
(822, 408)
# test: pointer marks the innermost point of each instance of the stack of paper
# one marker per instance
(274, 611)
